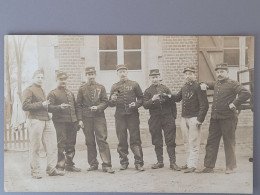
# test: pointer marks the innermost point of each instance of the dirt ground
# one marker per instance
(17, 175)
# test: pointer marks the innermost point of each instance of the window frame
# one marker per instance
(242, 47)
(120, 52)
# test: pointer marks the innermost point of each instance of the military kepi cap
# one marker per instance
(121, 66)
(90, 70)
(61, 75)
(154, 72)
(221, 66)
(190, 68)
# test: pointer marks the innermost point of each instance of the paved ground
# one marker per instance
(17, 175)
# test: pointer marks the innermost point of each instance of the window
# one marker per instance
(114, 50)
(107, 52)
(236, 50)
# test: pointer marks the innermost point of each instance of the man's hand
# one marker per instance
(45, 104)
(198, 124)
(81, 124)
(93, 108)
(133, 104)
(156, 97)
(64, 106)
(114, 97)
(204, 86)
(166, 96)
(232, 106)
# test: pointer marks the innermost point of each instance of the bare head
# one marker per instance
(38, 77)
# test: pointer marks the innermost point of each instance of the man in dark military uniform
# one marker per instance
(194, 109)
(228, 95)
(63, 109)
(40, 127)
(91, 103)
(173, 105)
(157, 98)
(127, 96)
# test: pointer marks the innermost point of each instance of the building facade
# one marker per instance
(168, 53)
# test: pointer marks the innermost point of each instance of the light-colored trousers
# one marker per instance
(191, 136)
(42, 131)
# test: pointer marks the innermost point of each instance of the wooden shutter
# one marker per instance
(211, 52)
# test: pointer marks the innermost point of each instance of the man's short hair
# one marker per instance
(39, 71)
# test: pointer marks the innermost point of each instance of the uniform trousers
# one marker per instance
(130, 122)
(166, 123)
(66, 140)
(95, 130)
(217, 129)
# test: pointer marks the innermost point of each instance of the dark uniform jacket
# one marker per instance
(159, 107)
(127, 92)
(32, 99)
(194, 101)
(57, 97)
(91, 94)
(226, 92)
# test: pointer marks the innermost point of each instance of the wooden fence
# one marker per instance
(18, 141)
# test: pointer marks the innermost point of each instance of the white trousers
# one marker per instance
(191, 136)
(42, 131)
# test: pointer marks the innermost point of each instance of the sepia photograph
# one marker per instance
(128, 113)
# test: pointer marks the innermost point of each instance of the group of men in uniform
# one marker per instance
(87, 112)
